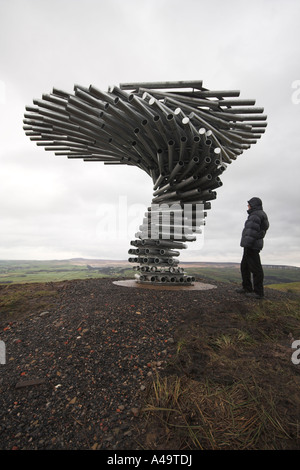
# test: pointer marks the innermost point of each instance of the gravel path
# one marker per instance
(74, 374)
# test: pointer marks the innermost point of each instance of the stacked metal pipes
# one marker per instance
(180, 133)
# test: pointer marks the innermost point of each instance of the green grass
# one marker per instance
(292, 287)
(231, 274)
(20, 272)
(221, 274)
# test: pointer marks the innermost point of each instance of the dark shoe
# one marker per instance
(242, 291)
(253, 295)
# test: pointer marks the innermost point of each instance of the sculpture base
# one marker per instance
(171, 284)
(165, 277)
(159, 286)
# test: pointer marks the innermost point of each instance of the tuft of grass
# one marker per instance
(234, 340)
(208, 416)
(180, 345)
(224, 341)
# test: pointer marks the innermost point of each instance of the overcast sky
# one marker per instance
(55, 208)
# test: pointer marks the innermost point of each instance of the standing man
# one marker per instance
(253, 234)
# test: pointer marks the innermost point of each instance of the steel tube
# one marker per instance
(162, 189)
(52, 106)
(151, 133)
(169, 244)
(195, 145)
(85, 116)
(161, 179)
(170, 154)
(183, 143)
(130, 111)
(140, 104)
(145, 144)
(160, 128)
(55, 99)
(90, 100)
(114, 90)
(190, 167)
(160, 160)
(106, 97)
(166, 197)
(187, 182)
(182, 98)
(120, 116)
(155, 85)
(245, 110)
(177, 168)
(175, 129)
(187, 123)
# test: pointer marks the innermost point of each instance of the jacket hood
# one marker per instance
(255, 203)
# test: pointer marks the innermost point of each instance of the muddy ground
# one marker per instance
(94, 365)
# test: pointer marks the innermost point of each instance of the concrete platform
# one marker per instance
(138, 285)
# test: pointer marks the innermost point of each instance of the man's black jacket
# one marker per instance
(256, 226)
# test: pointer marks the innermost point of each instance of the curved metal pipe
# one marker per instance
(190, 167)
(166, 197)
(160, 160)
(160, 180)
(140, 104)
(177, 168)
(190, 193)
(171, 244)
(106, 97)
(183, 143)
(195, 144)
(159, 125)
(114, 90)
(169, 252)
(148, 148)
(171, 144)
(151, 133)
(192, 179)
(91, 100)
(162, 189)
(130, 111)
(155, 85)
(175, 128)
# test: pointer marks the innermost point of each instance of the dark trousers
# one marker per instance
(251, 264)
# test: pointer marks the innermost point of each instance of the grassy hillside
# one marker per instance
(12, 272)
(231, 273)
(291, 287)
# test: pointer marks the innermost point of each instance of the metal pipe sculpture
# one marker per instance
(181, 134)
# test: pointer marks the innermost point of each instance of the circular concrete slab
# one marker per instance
(137, 285)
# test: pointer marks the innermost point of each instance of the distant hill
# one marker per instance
(26, 271)
(200, 264)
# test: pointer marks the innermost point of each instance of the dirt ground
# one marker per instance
(94, 365)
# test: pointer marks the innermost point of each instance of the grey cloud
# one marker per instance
(50, 207)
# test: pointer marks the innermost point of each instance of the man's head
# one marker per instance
(255, 203)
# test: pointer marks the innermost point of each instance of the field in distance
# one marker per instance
(286, 278)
